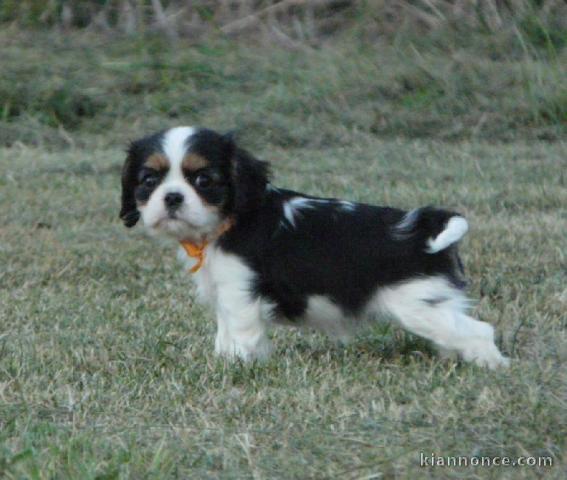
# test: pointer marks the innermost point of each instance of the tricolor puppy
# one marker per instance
(265, 255)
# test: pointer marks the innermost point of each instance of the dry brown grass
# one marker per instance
(289, 22)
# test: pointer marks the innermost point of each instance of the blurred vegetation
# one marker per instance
(279, 70)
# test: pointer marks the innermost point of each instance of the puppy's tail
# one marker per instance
(436, 228)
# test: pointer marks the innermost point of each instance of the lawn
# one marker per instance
(106, 363)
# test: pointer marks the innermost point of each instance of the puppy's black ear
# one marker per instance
(249, 177)
(129, 211)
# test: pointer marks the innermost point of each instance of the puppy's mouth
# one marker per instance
(178, 226)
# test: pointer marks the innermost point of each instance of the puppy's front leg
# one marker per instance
(241, 331)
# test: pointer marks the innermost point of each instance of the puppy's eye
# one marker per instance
(150, 181)
(203, 181)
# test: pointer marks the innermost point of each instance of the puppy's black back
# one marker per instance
(300, 246)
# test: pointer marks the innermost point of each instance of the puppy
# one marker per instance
(264, 255)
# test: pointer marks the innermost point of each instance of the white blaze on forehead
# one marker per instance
(174, 144)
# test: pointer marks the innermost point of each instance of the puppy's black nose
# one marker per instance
(173, 200)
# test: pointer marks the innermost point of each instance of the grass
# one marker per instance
(106, 365)
(56, 88)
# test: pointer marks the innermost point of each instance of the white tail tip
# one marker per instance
(454, 231)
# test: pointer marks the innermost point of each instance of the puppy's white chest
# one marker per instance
(205, 287)
(224, 272)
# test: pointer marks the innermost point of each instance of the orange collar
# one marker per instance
(197, 251)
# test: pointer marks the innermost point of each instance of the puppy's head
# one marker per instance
(187, 182)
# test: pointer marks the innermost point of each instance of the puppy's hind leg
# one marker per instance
(479, 346)
(433, 309)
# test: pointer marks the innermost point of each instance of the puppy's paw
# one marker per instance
(232, 350)
(485, 354)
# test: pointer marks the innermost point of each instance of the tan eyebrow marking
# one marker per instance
(192, 162)
(158, 162)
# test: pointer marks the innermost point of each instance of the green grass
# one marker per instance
(106, 364)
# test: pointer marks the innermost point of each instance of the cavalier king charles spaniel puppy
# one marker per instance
(264, 255)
